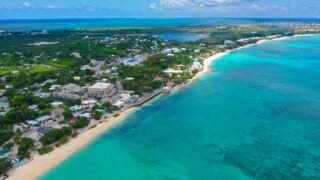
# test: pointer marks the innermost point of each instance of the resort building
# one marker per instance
(71, 89)
(100, 89)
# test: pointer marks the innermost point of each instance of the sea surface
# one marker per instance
(255, 117)
(56, 24)
(183, 37)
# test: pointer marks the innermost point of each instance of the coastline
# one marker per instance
(43, 163)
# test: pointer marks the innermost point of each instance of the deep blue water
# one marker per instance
(257, 116)
(134, 22)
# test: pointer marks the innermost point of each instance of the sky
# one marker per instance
(37, 9)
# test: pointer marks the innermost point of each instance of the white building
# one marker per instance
(56, 104)
(89, 103)
(172, 71)
(118, 104)
(100, 89)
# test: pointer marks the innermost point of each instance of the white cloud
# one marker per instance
(51, 7)
(206, 5)
(267, 8)
(26, 4)
(153, 5)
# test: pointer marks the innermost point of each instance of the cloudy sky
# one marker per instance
(10, 9)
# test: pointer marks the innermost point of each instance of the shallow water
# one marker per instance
(54, 24)
(256, 117)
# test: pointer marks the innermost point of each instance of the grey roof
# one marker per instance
(44, 130)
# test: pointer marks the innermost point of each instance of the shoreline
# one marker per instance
(41, 164)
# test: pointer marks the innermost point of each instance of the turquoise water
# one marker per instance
(54, 24)
(256, 117)
(182, 37)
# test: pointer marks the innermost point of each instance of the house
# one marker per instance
(55, 87)
(86, 115)
(85, 67)
(71, 89)
(196, 65)
(170, 84)
(17, 127)
(9, 86)
(56, 104)
(57, 112)
(89, 103)
(75, 54)
(32, 123)
(196, 51)
(100, 89)
(44, 130)
(5, 153)
(43, 119)
(76, 78)
(125, 97)
(33, 107)
(4, 105)
(118, 104)
(228, 42)
(42, 95)
(76, 108)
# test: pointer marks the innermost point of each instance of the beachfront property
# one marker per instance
(100, 89)
(71, 89)
(5, 153)
(118, 104)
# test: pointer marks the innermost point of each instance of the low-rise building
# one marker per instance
(57, 113)
(43, 119)
(118, 104)
(172, 71)
(71, 89)
(32, 123)
(56, 104)
(100, 89)
(76, 108)
(89, 102)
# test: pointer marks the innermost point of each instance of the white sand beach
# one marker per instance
(43, 163)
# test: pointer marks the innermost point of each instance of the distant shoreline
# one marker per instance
(41, 164)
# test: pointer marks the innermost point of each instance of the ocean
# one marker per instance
(58, 24)
(255, 117)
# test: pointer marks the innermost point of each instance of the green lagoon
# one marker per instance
(256, 117)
